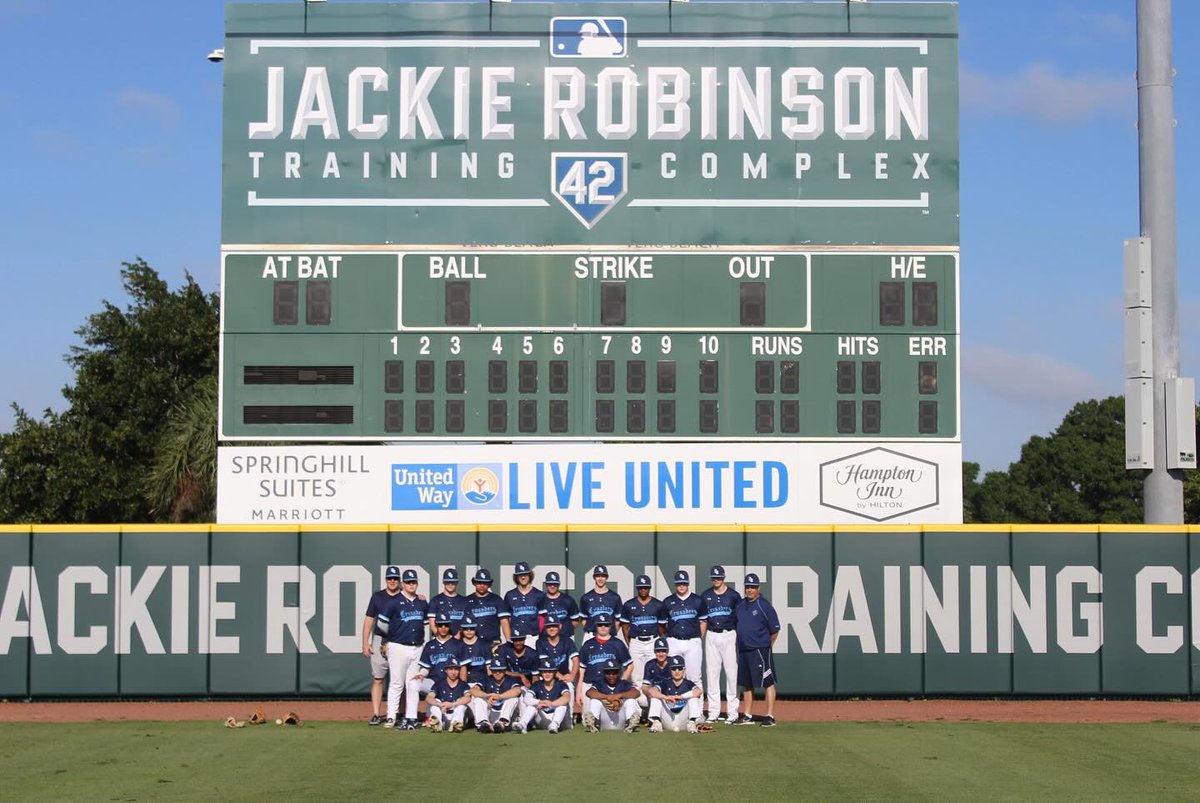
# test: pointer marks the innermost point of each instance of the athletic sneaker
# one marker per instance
(456, 727)
(409, 725)
(435, 724)
(552, 729)
(485, 727)
(376, 720)
(589, 722)
(518, 727)
(768, 722)
(502, 726)
(692, 727)
(744, 719)
(714, 719)
(390, 723)
(632, 724)
(656, 726)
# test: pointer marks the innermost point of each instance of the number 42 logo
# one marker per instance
(588, 184)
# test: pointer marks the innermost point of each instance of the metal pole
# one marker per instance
(1163, 489)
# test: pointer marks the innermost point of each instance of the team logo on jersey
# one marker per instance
(480, 486)
(589, 184)
(588, 38)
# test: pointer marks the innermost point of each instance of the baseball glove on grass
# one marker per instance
(292, 718)
(259, 717)
(231, 722)
(704, 727)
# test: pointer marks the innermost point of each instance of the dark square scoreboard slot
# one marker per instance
(872, 415)
(393, 415)
(497, 415)
(559, 376)
(709, 377)
(424, 415)
(393, 376)
(606, 415)
(846, 413)
(606, 376)
(764, 376)
(635, 376)
(527, 376)
(456, 376)
(458, 303)
(789, 376)
(927, 417)
(764, 416)
(845, 376)
(456, 415)
(870, 376)
(612, 303)
(753, 303)
(527, 415)
(318, 302)
(285, 309)
(298, 375)
(635, 415)
(559, 420)
(924, 304)
(298, 414)
(927, 378)
(789, 416)
(425, 376)
(891, 303)
(497, 376)
(666, 376)
(709, 416)
(666, 416)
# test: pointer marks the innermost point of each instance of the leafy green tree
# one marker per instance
(182, 483)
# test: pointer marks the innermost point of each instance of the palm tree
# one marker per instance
(182, 483)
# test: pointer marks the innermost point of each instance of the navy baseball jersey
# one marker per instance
(525, 664)
(720, 609)
(593, 603)
(437, 654)
(621, 686)
(477, 656)
(655, 673)
(524, 610)
(487, 611)
(376, 605)
(405, 620)
(443, 691)
(594, 653)
(453, 607)
(684, 616)
(670, 688)
(490, 685)
(564, 606)
(551, 693)
(560, 653)
(756, 621)
(643, 620)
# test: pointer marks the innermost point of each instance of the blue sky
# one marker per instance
(111, 143)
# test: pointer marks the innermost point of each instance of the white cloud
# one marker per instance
(144, 101)
(1041, 92)
(1030, 378)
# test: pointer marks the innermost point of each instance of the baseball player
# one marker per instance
(656, 671)
(520, 661)
(561, 604)
(476, 652)
(720, 646)
(600, 600)
(526, 604)
(496, 699)
(686, 622)
(595, 653)
(448, 602)
(643, 619)
(449, 701)
(757, 629)
(372, 638)
(547, 702)
(487, 609)
(612, 702)
(560, 651)
(439, 652)
(405, 619)
(675, 703)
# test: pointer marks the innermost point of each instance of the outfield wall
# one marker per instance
(226, 610)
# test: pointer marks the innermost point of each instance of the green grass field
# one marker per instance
(190, 760)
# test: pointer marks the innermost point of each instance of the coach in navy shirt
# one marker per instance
(757, 629)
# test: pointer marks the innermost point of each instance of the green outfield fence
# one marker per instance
(136, 611)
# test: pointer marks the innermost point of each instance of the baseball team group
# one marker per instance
(509, 663)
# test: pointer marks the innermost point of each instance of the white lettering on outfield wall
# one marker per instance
(947, 609)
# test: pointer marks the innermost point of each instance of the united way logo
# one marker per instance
(480, 486)
(589, 184)
(587, 37)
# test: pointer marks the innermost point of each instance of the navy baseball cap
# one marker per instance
(410, 576)
(521, 568)
(467, 622)
(717, 571)
(497, 664)
(642, 581)
(443, 619)
(602, 619)
(610, 666)
(751, 580)
(552, 579)
(681, 576)
(660, 643)
(547, 665)
(393, 572)
(482, 576)
(676, 662)
(552, 621)
(600, 571)
(450, 576)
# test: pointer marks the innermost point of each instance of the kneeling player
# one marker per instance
(612, 702)
(675, 703)
(449, 700)
(547, 702)
(496, 699)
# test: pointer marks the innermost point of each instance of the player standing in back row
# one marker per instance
(643, 619)
(405, 618)
(757, 629)
(526, 604)
(686, 623)
(600, 600)
(373, 639)
(720, 646)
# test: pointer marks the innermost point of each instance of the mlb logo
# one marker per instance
(587, 37)
(589, 184)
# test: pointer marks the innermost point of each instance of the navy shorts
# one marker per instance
(756, 668)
